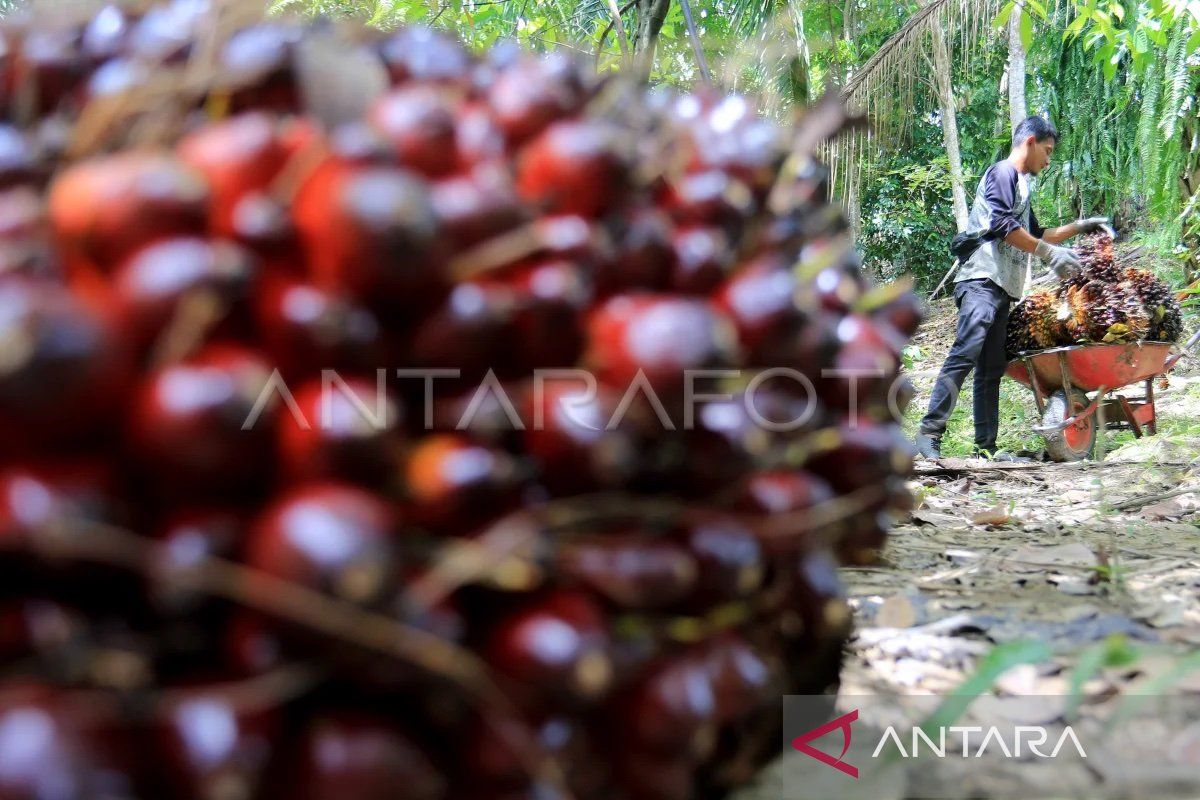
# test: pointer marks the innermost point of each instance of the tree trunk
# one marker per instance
(945, 91)
(1017, 111)
(651, 14)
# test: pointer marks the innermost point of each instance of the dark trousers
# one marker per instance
(979, 345)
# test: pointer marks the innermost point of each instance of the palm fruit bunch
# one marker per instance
(1103, 303)
(1035, 322)
(1097, 259)
(289, 505)
(1161, 304)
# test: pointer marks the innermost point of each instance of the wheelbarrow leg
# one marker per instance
(1129, 415)
(1098, 451)
(1152, 425)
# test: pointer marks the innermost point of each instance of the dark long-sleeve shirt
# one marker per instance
(1001, 206)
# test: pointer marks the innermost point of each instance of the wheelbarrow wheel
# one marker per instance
(1074, 442)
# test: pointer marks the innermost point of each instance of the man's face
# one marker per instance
(1039, 154)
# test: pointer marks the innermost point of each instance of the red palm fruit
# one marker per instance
(549, 300)
(643, 258)
(776, 493)
(574, 168)
(862, 455)
(258, 67)
(477, 137)
(528, 96)
(115, 77)
(468, 333)
(572, 238)
(104, 209)
(342, 755)
(192, 424)
(903, 313)
(865, 536)
(20, 161)
(861, 372)
(555, 646)
(107, 33)
(659, 335)
(346, 430)
(710, 198)
(251, 645)
(672, 709)
(476, 206)
(454, 484)
(263, 227)
(729, 557)
(237, 156)
(649, 776)
(374, 234)
(41, 495)
(419, 122)
(305, 329)
(165, 33)
(153, 284)
(421, 54)
(212, 748)
(31, 627)
(567, 429)
(50, 749)
(703, 258)
(496, 741)
(331, 537)
(187, 539)
(22, 216)
(760, 298)
(814, 620)
(65, 368)
(54, 66)
(630, 568)
(745, 145)
(741, 678)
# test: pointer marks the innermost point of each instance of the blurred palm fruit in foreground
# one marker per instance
(243, 557)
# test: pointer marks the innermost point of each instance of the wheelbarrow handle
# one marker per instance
(1187, 348)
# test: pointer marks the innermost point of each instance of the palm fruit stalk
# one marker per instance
(235, 540)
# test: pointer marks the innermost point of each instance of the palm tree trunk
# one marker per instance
(1016, 73)
(945, 92)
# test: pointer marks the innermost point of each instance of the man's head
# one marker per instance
(1033, 144)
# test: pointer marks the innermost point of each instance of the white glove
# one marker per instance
(1062, 260)
(1092, 224)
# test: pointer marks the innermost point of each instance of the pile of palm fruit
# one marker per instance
(1105, 302)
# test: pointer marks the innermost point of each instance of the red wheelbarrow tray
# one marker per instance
(1094, 366)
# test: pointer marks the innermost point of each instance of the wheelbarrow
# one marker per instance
(1062, 378)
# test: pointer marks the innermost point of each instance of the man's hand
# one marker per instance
(1062, 260)
(1091, 224)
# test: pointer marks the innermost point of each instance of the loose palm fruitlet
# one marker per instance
(1103, 303)
(242, 556)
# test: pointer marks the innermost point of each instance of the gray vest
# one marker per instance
(997, 260)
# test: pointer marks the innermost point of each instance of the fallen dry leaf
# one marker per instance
(997, 515)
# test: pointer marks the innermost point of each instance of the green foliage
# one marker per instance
(1120, 79)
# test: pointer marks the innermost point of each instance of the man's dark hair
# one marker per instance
(1039, 128)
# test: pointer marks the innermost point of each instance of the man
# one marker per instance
(991, 279)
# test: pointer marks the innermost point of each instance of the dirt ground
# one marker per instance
(1088, 558)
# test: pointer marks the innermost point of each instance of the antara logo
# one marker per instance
(1032, 737)
(801, 743)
